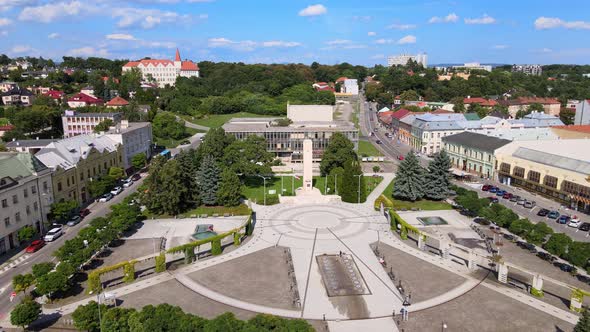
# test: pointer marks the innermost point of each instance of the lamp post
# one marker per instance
(264, 186)
(359, 188)
(444, 327)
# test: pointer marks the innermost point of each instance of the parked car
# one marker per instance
(53, 234)
(543, 213)
(509, 237)
(584, 227)
(530, 204)
(378, 141)
(400, 157)
(553, 214)
(500, 193)
(485, 187)
(507, 196)
(468, 213)
(564, 267)
(105, 198)
(75, 220)
(574, 222)
(493, 199)
(84, 212)
(135, 177)
(546, 256)
(521, 201)
(127, 183)
(481, 221)
(583, 278)
(563, 219)
(493, 190)
(116, 191)
(514, 198)
(34, 246)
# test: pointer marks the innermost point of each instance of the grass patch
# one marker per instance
(217, 120)
(253, 188)
(367, 149)
(240, 210)
(172, 143)
(423, 204)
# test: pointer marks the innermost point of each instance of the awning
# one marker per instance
(458, 172)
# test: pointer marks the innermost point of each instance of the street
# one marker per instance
(45, 254)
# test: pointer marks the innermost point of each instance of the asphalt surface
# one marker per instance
(45, 254)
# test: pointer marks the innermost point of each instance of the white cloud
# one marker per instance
(338, 42)
(451, 18)
(402, 26)
(53, 35)
(244, 45)
(148, 18)
(9, 4)
(500, 47)
(53, 11)
(5, 21)
(157, 44)
(88, 51)
(280, 44)
(344, 44)
(378, 56)
(409, 39)
(485, 19)
(542, 23)
(313, 10)
(120, 36)
(20, 49)
(371, 33)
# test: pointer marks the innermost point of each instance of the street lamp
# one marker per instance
(444, 327)
(359, 188)
(264, 186)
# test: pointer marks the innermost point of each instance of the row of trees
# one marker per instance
(413, 182)
(559, 244)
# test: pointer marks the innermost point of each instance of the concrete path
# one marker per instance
(377, 325)
(192, 125)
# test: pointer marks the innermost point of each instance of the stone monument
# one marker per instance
(307, 165)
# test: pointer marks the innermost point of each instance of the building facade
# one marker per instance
(135, 137)
(18, 96)
(25, 196)
(76, 123)
(164, 72)
(551, 106)
(535, 70)
(76, 161)
(402, 59)
(429, 129)
(82, 100)
(556, 169)
(351, 86)
(582, 112)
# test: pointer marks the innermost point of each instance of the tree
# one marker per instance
(103, 126)
(539, 232)
(438, 183)
(567, 116)
(208, 180)
(101, 185)
(579, 253)
(188, 164)
(53, 282)
(376, 169)
(116, 319)
(116, 173)
(165, 125)
(26, 233)
(139, 161)
(165, 192)
(351, 192)
(86, 316)
(459, 106)
(409, 95)
(248, 157)
(42, 269)
(229, 191)
(583, 324)
(409, 181)
(339, 151)
(63, 210)
(21, 282)
(25, 313)
(558, 244)
(214, 143)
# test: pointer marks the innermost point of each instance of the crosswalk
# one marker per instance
(14, 263)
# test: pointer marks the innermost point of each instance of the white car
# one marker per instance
(53, 234)
(105, 198)
(574, 222)
(127, 183)
(116, 191)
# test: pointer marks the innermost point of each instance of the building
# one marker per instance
(538, 119)
(350, 86)
(473, 153)
(18, 96)
(88, 90)
(486, 103)
(7, 86)
(402, 60)
(323, 86)
(6, 128)
(83, 100)
(313, 122)
(404, 129)
(535, 70)
(56, 95)
(117, 102)
(428, 129)
(164, 72)
(25, 196)
(76, 161)
(572, 131)
(556, 169)
(551, 106)
(582, 112)
(433, 105)
(135, 137)
(473, 66)
(76, 123)
(31, 146)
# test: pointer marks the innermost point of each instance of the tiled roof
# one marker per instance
(480, 101)
(131, 64)
(530, 100)
(17, 91)
(341, 79)
(117, 101)
(177, 56)
(55, 94)
(67, 152)
(85, 98)
(399, 114)
(189, 65)
(577, 128)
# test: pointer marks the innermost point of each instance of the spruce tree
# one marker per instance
(409, 180)
(350, 183)
(583, 324)
(229, 191)
(337, 153)
(208, 180)
(437, 185)
(187, 162)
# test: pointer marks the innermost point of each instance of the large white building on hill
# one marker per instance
(402, 60)
(164, 71)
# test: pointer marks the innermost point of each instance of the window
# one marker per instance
(73, 180)
(33, 190)
(59, 186)
(88, 174)
(14, 199)
(28, 210)
(105, 165)
(35, 206)
(7, 221)
(26, 192)
(4, 203)
(45, 187)
(81, 176)
(505, 168)
(519, 172)
(68, 182)
(534, 176)
(550, 181)
(17, 217)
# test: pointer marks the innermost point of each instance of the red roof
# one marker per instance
(55, 94)
(82, 97)
(131, 64)
(532, 100)
(117, 101)
(341, 79)
(480, 101)
(7, 128)
(441, 111)
(385, 118)
(399, 114)
(189, 65)
(577, 128)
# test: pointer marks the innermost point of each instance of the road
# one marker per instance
(392, 149)
(45, 254)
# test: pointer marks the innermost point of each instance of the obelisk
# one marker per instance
(307, 164)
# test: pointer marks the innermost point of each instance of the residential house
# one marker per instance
(323, 86)
(164, 72)
(18, 96)
(76, 161)
(350, 87)
(25, 196)
(56, 95)
(486, 103)
(83, 100)
(117, 102)
(5, 128)
(7, 86)
(473, 153)
(76, 123)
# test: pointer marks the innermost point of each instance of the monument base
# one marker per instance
(313, 196)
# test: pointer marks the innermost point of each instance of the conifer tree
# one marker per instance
(208, 180)
(350, 183)
(409, 180)
(229, 193)
(437, 185)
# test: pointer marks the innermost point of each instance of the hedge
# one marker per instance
(161, 263)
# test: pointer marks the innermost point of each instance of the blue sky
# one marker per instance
(359, 32)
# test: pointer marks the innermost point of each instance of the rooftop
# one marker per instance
(265, 125)
(67, 152)
(98, 115)
(577, 128)
(18, 165)
(130, 127)
(26, 143)
(476, 141)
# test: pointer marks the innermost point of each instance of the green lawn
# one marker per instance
(172, 143)
(240, 210)
(423, 204)
(367, 149)
(217, 120)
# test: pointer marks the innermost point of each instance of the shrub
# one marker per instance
(216, 247)
(161, 263)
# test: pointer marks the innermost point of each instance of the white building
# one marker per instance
(535, 70)
(25, 196)
(136, 137)
(75, 123)
(582, 112)
(164, 71)
(302, 113)
(350, 86)
(474, 66)
(402, 60)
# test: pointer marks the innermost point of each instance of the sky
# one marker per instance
(285, 31)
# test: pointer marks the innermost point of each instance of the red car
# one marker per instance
(136, 177)
(400, 157)
(35, 245)
(84, 213)
(485, 187)
(507, 196)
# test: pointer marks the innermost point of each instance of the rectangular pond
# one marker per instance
(432, 221)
